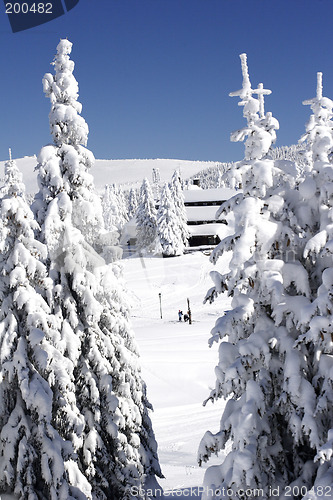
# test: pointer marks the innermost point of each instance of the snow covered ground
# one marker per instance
(177, 364)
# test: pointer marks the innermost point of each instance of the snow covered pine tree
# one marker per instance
(179, 201)
(132, 203)
(37, 395)
(265, 366)
(146, 219)
(115, 448)
(170, 237)
(114, 208)
(314, 403)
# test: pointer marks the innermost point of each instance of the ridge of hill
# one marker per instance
(128, 173)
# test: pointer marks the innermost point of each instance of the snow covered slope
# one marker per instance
(126, 172)
(177, 364)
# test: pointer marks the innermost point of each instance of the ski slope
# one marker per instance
(177, 364)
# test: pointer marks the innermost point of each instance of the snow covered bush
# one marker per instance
(266, 359)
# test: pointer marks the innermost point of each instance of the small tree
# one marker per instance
(114, 208)
(168, 225)
(179, 202)
(109, 208)
(146, 219)
(132, 203)
(123, 209)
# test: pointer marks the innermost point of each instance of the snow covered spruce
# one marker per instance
(146, 219)
(132, 203)
(275, 362)
(32, 407)
(163, 231)
(171, 219)
(179, 201)
(114, 208)
(315, 216)
(74, 417)
(169, 237)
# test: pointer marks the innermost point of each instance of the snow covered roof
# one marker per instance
(201, 213)
(216, 194)
(220, 230)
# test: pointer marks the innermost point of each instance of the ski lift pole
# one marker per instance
(160, 297)
(189, 312)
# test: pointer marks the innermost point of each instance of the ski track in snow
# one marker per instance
(177, 364)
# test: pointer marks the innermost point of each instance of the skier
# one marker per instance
(180, 315)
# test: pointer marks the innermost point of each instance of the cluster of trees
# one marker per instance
(74, 421)
(275, 362)
(212, 177)
(160, 217)
(215, 176)
(162, 230)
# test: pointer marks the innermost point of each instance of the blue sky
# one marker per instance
(154, 75)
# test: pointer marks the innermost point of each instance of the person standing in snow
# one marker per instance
(180, 315)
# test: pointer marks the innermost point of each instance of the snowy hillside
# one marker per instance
(125, 172)
(178, 365)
